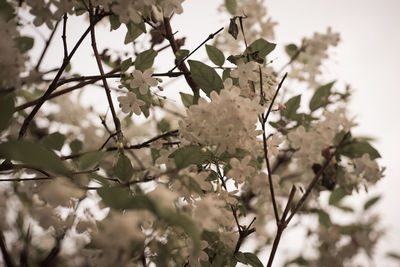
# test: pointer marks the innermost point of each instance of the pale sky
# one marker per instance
(368, 58)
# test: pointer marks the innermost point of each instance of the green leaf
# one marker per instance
(187, 99)
(24, 43)
(336, 196)
(114, 22)
(357, 149)
(134, 31)
(68, 67)
(324, 218)
(53, 141)
(370, 202)
(76, 146)
(163, 125)
(262, 46)
(90, 159)
(6, 10)
(188, 155)
(345, 208)
(248, 258)
(6, 109)
(181, 54)
(321, 96)
(145, 60)
(205, 76)
(291, 107)
(216, 56)
(393, 255)
(123, 169)
(233, 28)
(126, 64)
(291, 50)
(231, 6)
(298, 260)
(33, 154)
(234, 58)
(120, 198)
(183, 221)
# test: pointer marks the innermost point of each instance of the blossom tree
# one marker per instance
(151, 182)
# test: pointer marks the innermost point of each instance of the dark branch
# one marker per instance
(53, 85)
(46, 46)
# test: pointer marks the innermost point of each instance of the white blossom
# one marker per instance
(227, 122)
(143, 80)
(245, 73)
(130, 103)
(273, 143)
(171, 6)
(240, 169)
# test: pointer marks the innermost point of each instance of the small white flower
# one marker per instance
(130, 103)
(171, 6)
(143, 81)
(245, 73)
(273, 143)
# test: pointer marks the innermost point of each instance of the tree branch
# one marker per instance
(53, 85)
(210, 37)
(6, 256)
(101, 70)
(46, 46)
(64, 36)
(283, 222)
(138, 146)
(182, 66)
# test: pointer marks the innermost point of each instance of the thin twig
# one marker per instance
(64, 35)
(265, 118)
(101, 70)
(315, 180)
(283, 222)
(6, 255)
(210, 37)
(46, 46)
(66, 90)
(182, 66)
(138, 146)
(263, 122)
(53, 85)
(270, 182)
(293, 58)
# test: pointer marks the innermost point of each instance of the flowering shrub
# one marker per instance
(146, 185)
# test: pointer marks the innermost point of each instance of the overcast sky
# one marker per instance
(368, 58)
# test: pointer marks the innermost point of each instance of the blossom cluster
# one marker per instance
(12, 62)
(257, 24)
(308, 64)
(227, 122)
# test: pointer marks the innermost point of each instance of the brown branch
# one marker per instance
(265, 118)
(293, 58)
(210, 37)
(101, 70)
(283, 222)
(6, 255)
(138, 146)
(315, 179)
(265, 146)
(281, 227)
(46, 46)
(270, 182)
(49, 177)
(53, 85)
(64, 35)
(182, 66)
(93, 79)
